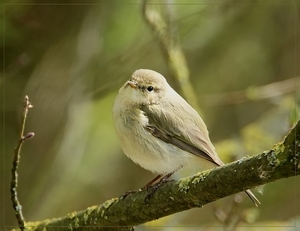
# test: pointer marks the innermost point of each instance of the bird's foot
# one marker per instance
(126, 194)
(152, 189)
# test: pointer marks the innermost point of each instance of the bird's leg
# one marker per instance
(154, 186)
(126, 194)
(159, 183)
(151, 182)
(143, 188)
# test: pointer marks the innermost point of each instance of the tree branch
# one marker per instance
(252, 93)
(171, 50)
(282, 161)
(14, 180)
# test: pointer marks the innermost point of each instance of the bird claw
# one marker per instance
(126, 194)
(150, 194)
(149, 187)
(153, 189)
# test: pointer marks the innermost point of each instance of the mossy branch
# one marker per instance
(282, 161)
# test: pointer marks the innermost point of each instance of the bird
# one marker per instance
(158, 129)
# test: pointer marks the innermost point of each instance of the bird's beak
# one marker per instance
(132, 84)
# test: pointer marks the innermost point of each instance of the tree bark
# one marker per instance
(282, 161)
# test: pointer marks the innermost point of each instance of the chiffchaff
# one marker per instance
(158, 129)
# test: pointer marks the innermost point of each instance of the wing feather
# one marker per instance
(181, 126)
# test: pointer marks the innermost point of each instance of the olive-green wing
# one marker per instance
(182, 127)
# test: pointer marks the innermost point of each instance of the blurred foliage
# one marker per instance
(71, 57)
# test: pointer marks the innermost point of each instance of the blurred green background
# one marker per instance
(70, 58)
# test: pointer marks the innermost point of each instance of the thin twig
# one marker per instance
(269, 91)
(14, 181)
(171, 49)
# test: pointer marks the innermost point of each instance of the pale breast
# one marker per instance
(144, 149)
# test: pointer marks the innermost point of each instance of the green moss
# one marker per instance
(85, 218)
(70, 226)
(32, 225)
(184, 185)
(95, 221)
(108, 203)
(272, 158)
(105, 206)
(279, 148)
(102, 213)
(76, 222)
(71, 215)
(200, 177)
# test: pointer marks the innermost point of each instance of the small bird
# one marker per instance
(158, 129)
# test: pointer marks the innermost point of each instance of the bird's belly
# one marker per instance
(152, 153)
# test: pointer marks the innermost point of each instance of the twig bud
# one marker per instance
(28, 136)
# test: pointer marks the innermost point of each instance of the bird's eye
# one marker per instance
(150, 88)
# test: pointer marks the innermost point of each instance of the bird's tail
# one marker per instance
(253, 198)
